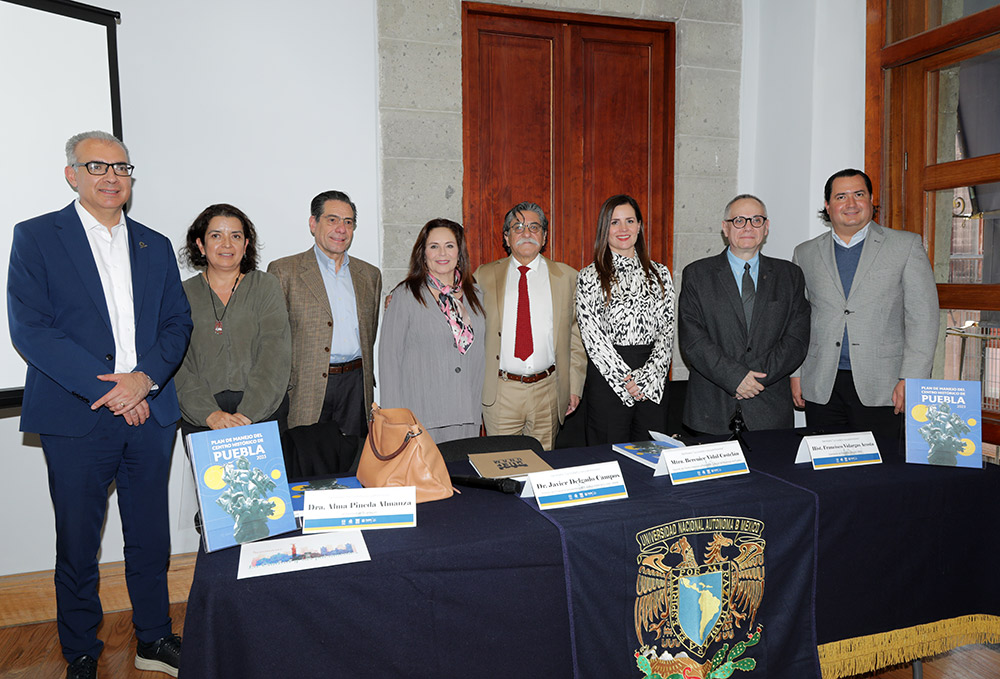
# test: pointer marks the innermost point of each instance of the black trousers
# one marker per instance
(611, 421)
(846, 411)
(344, 402)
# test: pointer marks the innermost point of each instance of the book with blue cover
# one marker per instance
(646, 452)
(944, 423)
(241, 482)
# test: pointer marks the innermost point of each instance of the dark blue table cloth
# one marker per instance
(476, 587)
(631, 563)
(907, 554)
(489, 586)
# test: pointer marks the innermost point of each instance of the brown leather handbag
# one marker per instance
(400, 452)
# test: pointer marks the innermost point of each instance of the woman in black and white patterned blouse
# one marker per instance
(625, 308)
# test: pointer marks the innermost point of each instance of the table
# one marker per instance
(429, 600)
(487, 585)
(907, 554)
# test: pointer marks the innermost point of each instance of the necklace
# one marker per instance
(215, 311)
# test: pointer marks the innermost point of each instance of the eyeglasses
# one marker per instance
(334, 220)
(98, 167)
(756, 221)
(519, 228)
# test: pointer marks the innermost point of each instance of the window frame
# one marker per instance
(896, 132)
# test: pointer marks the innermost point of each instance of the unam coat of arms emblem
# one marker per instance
(690, 606)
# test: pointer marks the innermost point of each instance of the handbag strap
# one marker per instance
(402, 446)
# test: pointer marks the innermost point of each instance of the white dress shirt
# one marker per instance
(540, 303)
(111, 254)
(856, 239)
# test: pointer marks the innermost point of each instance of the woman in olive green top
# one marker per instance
(237, 366)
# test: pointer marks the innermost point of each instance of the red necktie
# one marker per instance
(523, 346)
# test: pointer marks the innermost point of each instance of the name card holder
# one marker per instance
(576, 486)
(830, 451)
(700, 463)
(359, 508)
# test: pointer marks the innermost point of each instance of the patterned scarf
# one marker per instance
(449, 305)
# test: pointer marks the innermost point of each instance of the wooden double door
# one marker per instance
(565, 110)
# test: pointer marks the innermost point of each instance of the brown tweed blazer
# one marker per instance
(312, 329)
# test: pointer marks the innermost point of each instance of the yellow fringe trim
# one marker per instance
(849, 657)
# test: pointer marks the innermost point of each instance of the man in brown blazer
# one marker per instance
(534, 377)
(333, 305)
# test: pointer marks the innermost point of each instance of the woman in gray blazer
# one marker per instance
(431, 357)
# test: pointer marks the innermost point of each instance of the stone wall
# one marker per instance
(420, 109)
(420, 104)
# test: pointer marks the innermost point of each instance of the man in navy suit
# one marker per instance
(744, 327)
(96, 309)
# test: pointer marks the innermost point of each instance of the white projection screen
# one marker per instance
(58, 76)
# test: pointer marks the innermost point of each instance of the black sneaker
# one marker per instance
(83, 667)
(162, 655)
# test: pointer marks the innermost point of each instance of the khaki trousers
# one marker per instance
(530, 409)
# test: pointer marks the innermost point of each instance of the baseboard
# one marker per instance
(27, 598)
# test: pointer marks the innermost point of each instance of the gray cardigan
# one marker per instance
(419, 366)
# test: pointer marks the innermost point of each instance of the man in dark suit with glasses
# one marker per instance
(743, 322)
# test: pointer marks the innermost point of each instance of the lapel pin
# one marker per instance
(141, 245)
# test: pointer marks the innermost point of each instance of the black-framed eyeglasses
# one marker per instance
(99, 167)
(519, 228)
(756, 221)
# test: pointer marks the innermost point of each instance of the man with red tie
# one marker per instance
(535, 361)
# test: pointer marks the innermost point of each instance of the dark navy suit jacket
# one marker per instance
(719, 350)
(59, 321)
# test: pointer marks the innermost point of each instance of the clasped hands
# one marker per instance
(220, 419)
(633, 389)
(750, 386)
(127, 397)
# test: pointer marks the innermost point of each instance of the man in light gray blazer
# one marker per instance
(874, 314)
(743, 325)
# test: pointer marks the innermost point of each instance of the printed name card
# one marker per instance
(574, 486)
(839, 450)
(699, 463)
(359, 508)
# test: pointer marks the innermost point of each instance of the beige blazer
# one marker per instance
(571, 359)
(312, 329)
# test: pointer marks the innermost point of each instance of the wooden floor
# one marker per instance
(32, 652)
(968, 662)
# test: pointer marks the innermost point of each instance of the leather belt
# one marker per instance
(337, 368)
(526, 379)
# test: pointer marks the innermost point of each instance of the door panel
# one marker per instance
(623, 129)
(565, 110)
(508, 128)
